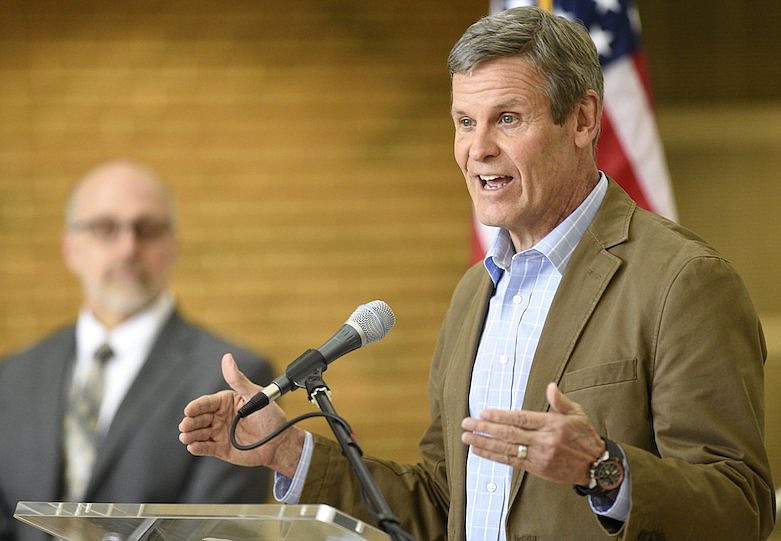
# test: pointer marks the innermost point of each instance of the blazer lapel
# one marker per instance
(52, 405)
(458, 376)
(588, 274)
(167, 356)
(572, 306)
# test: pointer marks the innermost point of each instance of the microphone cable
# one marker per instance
(396, 531)
(279, 430)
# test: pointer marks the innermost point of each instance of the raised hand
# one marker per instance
(205, 428)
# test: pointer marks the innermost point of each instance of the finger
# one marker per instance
(197, 426)
(498, 441)
(497, 451)
(207, 404)
(236, 378)
(201, 448)
(198, 435)
(507, 422)
(559, 402)
(502, 458)
(483, 445)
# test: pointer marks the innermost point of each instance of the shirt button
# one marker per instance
(517, 299)
(491, 487)
(503, 358)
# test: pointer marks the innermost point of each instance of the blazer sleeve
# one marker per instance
(708, 477)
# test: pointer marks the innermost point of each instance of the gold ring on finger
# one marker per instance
(523, 450)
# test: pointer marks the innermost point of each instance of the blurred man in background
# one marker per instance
(89, 413)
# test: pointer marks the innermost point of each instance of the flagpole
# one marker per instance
(547, 5)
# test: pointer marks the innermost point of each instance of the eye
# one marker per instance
(103, 229)
(465, 122)
(150, 229)
(507, 118)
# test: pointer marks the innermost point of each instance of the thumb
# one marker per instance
(236, 378)
(560, 403)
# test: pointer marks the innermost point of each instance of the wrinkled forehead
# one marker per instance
(501, 80)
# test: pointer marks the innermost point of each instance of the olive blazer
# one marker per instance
(654, 334)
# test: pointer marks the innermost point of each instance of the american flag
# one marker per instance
(629, 148)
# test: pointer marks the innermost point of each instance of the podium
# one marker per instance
(194, 522)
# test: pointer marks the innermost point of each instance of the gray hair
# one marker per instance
(561, 51)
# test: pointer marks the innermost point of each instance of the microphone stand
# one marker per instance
(319, 393)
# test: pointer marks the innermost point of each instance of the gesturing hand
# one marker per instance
(205, 428)
(559, 445)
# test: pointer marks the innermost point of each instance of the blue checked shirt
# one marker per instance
(525, 284)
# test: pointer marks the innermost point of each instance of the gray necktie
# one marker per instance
(79, 429)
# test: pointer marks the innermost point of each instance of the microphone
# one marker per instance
(369, 323)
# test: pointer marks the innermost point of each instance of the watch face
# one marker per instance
(609, 474)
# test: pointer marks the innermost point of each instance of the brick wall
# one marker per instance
(309, 145)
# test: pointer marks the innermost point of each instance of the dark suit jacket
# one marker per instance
(141, 460)
(654, 334)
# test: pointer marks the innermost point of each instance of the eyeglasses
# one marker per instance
(109, 230)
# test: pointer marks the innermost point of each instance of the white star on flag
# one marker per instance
(604, 6)
(602, 39)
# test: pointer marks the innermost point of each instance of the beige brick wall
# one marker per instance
(308, 143)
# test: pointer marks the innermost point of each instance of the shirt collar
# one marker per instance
(137, 331)
(558, 245)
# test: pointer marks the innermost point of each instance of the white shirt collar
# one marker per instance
(558, 245)
(134, 334)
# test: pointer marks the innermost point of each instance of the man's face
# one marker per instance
(523, 171)
(119, 242)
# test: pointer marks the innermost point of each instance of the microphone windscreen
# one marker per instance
(375, 319)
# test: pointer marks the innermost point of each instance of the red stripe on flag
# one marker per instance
(641, 68)
(613, 161)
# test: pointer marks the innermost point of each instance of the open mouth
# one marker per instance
(494, 182)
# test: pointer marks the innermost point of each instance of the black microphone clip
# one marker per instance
(309, 363)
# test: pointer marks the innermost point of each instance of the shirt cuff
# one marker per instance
(288, 490)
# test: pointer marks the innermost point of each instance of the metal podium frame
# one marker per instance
(194, 522)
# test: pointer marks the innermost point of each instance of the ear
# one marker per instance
(587, 119)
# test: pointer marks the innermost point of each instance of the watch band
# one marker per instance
(606, 473)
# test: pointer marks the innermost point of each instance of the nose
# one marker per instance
(483, 144)
(127, 240)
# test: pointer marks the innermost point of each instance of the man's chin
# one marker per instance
(125, 306)
(489, 220)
